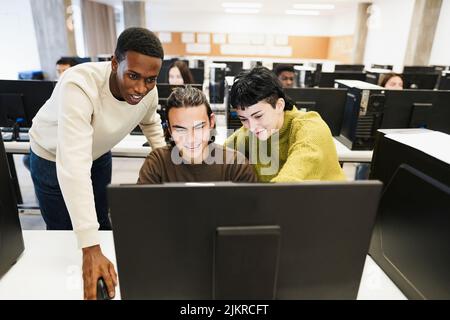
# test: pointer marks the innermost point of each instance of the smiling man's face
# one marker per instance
(190, 128)
(134, 77)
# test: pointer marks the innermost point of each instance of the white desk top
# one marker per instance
(50, 268)
(131, 146)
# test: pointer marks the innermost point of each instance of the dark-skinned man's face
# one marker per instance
(134, 76)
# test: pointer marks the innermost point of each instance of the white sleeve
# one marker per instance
(151, 125)
(74, 162)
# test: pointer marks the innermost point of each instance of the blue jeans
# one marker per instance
(51, 201)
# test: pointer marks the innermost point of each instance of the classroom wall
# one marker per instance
(440, 52)
(307, 37)
(19, 48)
(159, 19)
(388, 32)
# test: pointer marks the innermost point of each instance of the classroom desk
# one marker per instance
(50, 268)
(131, 147)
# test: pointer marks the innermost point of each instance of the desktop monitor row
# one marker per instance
(341, 108)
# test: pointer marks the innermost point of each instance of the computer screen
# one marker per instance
(411, 241)
(349, 67)
(444, 83)
(328, 102)
(382, 66)
(79, 60)
(226, 240)
(11, 241)
(420, 80)
(326, 79)
(417, 109)
(420, 69)
(233, 67)
(198, 74)
(29, 95)
(11, 109)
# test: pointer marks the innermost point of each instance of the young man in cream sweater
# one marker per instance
(92, 108)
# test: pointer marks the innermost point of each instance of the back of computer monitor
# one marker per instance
(326, 79)
(424, 81)
(411, 240)
(34, 95)
(349, 67)
(198, 74)
(417, 109)
(11, 241)
(328, 102)
(166, 235)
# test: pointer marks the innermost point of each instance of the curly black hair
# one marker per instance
(140, 40)
(282, 68)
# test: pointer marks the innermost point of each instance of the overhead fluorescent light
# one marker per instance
(312, 6)
(249, 5)
(303, 12)
(241, 10)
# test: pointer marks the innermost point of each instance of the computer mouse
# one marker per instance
(102, 290)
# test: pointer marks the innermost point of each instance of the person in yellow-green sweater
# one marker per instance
(283, 143)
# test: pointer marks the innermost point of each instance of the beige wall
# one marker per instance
(303, 47)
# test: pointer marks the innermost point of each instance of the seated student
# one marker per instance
(192, 156)
(179, 73)
(63, 64)
(286, 75)
(392, 81)
(284, 143)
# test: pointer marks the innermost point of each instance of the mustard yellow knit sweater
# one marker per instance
(306, 150)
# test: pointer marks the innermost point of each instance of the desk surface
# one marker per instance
(131, 146)
(50, 268)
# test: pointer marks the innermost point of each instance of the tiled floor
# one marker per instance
(125, 170)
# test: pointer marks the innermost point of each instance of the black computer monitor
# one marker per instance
(242, 241)
(79, 60)
(420, 80)
(12, 109)
(233, 67)
(382, 66)
(417, 109)
(444, 83)
(349, 67)
(328, 102)
(411, 241)
(421, 69)
(326, 79)
(11, 240)
(28, 96)
(198, 74)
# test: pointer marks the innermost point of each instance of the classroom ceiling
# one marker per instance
(268, 7)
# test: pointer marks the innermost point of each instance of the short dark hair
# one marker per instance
(184, 70)
(255, 85)
(67, 60)
(282, 68)
(385, 78)
(140, 40)
(185, 97)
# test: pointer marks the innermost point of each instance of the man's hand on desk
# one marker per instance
(96, 265)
